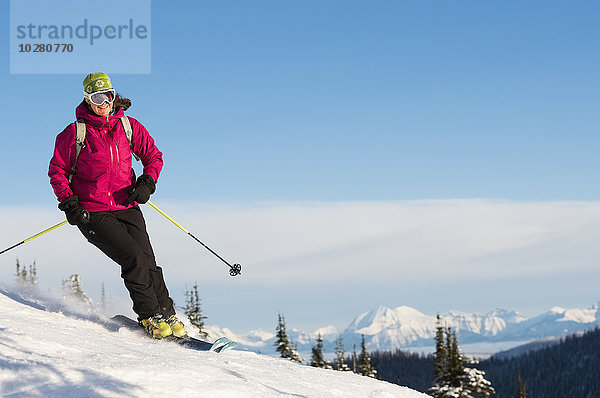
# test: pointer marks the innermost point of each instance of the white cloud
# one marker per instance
(292, 241)
(367, 240)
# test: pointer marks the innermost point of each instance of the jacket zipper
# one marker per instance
(110, 197)
(111, 201)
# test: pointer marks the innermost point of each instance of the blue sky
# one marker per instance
(260, 103)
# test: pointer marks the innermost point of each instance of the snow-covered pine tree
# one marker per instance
(26, 278)
(340, 362)
(282, 343)
(449, 384)
(317, 359)
(453, 379)
(21, 274)
(354, 359)
(364, 361)
(293, 354)
(193, 310)
(33, 274)
(474, 381)
(103, 298)
(72, 286)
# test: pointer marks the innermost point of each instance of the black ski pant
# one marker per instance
(122, 236)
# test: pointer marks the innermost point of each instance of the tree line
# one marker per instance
(447, 374)
(360, 363)
(569, 369)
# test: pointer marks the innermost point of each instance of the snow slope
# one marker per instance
(50, 354)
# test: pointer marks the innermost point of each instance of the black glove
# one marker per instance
(144, 187)
(76, 215)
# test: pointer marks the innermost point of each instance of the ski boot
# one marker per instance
(176, 326)
(156, 326)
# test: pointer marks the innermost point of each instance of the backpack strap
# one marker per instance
(80, 139)
(129, 133)
(79, 143)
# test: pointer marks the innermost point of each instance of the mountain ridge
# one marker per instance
(404, 327)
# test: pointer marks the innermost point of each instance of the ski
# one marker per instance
(220, 345)
(229, 346)
(220, 342)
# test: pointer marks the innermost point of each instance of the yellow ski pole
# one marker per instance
(35, 236)
(234, 269)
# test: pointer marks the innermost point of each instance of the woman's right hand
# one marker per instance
(76, 215)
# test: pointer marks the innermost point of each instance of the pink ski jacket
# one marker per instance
(104, 176)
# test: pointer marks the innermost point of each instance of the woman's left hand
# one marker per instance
(144, 187)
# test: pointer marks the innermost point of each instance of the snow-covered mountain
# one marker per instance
(386, 327)
(405, 327)
(51, 354)
(556, 322)
(402, 327)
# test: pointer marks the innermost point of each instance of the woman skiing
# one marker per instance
(97, 189)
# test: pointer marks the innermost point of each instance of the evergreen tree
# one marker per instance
(24, 277)
(19, 274)
(282, 342)
(474, 381)
(283, 345)
(33, 274)
(364, 361)
(452, 379)
(340, 362)
(72, 287)
(522, 388)
(455, 363)
(318, 360)
(354, 360)
(294, 355)
(441, 355)
(103, 298)
(193, 310)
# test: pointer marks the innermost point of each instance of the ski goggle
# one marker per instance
(99, 97)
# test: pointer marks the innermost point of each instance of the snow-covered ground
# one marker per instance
(50, 354)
